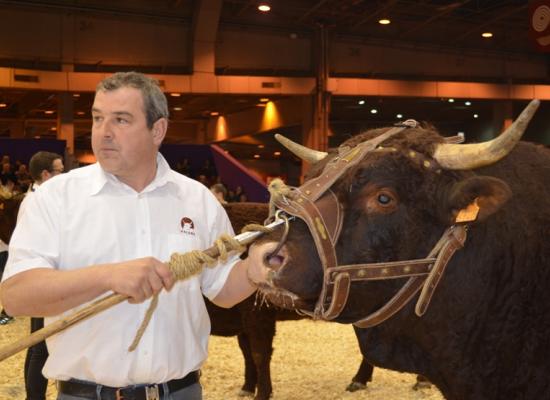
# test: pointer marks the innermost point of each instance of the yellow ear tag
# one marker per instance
(468, 214)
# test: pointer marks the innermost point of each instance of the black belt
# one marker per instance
(141, 392)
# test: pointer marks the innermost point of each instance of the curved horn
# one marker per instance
(305, 153)
(475, 155)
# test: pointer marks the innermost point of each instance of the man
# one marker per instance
(109, 227)
(42, 166)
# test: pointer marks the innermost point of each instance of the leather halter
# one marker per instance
(318, 206)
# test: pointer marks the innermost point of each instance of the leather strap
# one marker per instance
(454, 239)
(335, 168)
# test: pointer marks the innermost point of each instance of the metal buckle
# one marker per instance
(152, 392)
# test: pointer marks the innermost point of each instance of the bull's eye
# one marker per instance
(384, 199)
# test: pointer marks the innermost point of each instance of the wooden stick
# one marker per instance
(103, 304)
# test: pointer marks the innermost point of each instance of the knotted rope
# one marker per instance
(277, 190)
(186, 265)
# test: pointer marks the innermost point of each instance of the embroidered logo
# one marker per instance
(187, 226)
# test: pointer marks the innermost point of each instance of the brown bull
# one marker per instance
(461, 231)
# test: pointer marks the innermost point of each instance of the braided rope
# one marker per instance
(186, 265)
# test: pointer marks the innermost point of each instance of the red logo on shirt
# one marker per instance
(187, 226)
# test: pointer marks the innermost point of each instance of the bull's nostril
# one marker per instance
(274, 262)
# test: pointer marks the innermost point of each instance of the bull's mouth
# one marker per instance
(282, 298)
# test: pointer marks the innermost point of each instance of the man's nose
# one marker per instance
(105, 129)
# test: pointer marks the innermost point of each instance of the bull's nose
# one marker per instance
(275, 259)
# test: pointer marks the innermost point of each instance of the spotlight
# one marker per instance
(264, 7)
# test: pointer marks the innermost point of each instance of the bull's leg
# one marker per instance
(363, 375)
(250, 375)
(422, 383)
(260, 328)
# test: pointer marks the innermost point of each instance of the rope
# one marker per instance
(277, 190)
(186, 265)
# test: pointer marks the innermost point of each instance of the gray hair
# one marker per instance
(154, 100)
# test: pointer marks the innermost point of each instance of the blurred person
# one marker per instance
(7, 176)
(105, 228)
(43, 166)
(220, 192)
(23, 177)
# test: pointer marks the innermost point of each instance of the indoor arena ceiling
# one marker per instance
(437, 24)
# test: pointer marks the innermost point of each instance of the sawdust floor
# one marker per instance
(311, 360)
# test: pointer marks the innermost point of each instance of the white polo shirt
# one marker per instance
(87, 217)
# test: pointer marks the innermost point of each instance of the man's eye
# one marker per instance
(96, 118)
(121, 121)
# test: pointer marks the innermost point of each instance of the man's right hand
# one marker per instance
(141, 278)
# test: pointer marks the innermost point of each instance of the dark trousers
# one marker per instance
(3, 260)
(35, 383)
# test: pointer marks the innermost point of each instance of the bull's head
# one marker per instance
(397, 201)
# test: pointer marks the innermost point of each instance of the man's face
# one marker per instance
(121, 140)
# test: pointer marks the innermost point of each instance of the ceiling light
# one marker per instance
(214, 113)
(256, 156)
(177, 109)
(487, 34)
(76, 94)
(277, 153)
(476, 116)
(261, 105)
(261, 146)
(175, 94)
(361, 102)
(451, 100)
(263, 7)
(53, 128)
(80, 113)
(3, 105)
(49, 112)
(373, 111)
(384, 21)
(467, 103)
(399, 116)
(264, 99)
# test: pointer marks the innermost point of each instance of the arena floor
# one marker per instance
(312, 360)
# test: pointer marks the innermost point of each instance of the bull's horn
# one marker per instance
(305, 153)
(475, 155)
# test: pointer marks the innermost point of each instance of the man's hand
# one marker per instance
(141, 278)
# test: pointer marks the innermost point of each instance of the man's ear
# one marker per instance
(490, 194)
(45, 175)
(159, 130)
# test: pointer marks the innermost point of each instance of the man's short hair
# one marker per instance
(154, 100)
(43, 160)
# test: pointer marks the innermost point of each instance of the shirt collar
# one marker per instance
(100, 178)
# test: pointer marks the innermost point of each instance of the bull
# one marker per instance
(440, 249)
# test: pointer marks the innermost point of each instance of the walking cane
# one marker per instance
(106, 302)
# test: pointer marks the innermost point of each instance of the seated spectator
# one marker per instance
(184, 168)
(208, 170)
(202, 179)
(23, 178)
(7, 175)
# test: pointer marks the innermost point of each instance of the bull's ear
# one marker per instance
(487, 193)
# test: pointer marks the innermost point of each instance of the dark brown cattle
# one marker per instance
(485, 332)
